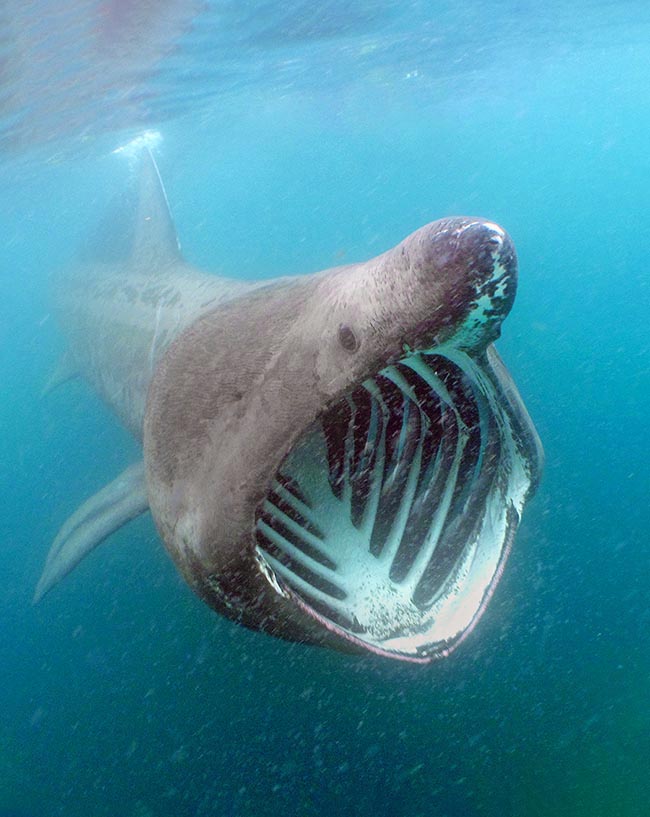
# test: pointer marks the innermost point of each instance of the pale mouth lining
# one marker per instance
(390, 519)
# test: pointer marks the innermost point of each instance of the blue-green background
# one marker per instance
(121, 694)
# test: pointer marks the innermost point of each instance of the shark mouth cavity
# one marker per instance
(391, 519)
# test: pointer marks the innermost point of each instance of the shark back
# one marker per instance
(120, 313)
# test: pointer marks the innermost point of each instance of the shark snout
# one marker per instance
(486, 262)
(464, 273)
(461, 250)
(476, 246)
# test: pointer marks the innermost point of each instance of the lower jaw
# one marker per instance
(390, 520)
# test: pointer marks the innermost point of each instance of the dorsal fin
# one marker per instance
(137, 227)
(154, 236)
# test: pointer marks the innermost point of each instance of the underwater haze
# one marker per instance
(292, 137)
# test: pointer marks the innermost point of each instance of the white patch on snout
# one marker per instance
(498, 230)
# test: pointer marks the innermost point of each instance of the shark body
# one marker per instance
(339, 458)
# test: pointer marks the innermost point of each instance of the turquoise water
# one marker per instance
(291, 141)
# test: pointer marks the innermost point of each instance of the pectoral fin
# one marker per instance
(98, 517)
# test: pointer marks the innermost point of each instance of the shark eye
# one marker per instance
(347, 338)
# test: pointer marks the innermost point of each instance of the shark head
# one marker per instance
(342, 458)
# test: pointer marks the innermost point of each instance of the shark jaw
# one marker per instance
(390, 521)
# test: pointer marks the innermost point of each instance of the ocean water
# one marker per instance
(292, 137)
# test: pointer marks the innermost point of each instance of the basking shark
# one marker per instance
(338, 458)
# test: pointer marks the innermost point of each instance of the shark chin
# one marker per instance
(338, 459)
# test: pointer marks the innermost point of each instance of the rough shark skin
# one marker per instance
(374, 385)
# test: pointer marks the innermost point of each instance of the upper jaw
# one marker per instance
(452, 281)
(477, 260)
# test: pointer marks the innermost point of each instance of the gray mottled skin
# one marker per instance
(119, 318)
(132, 316)
(220, 378)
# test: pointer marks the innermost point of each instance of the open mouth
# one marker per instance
(391, 518)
